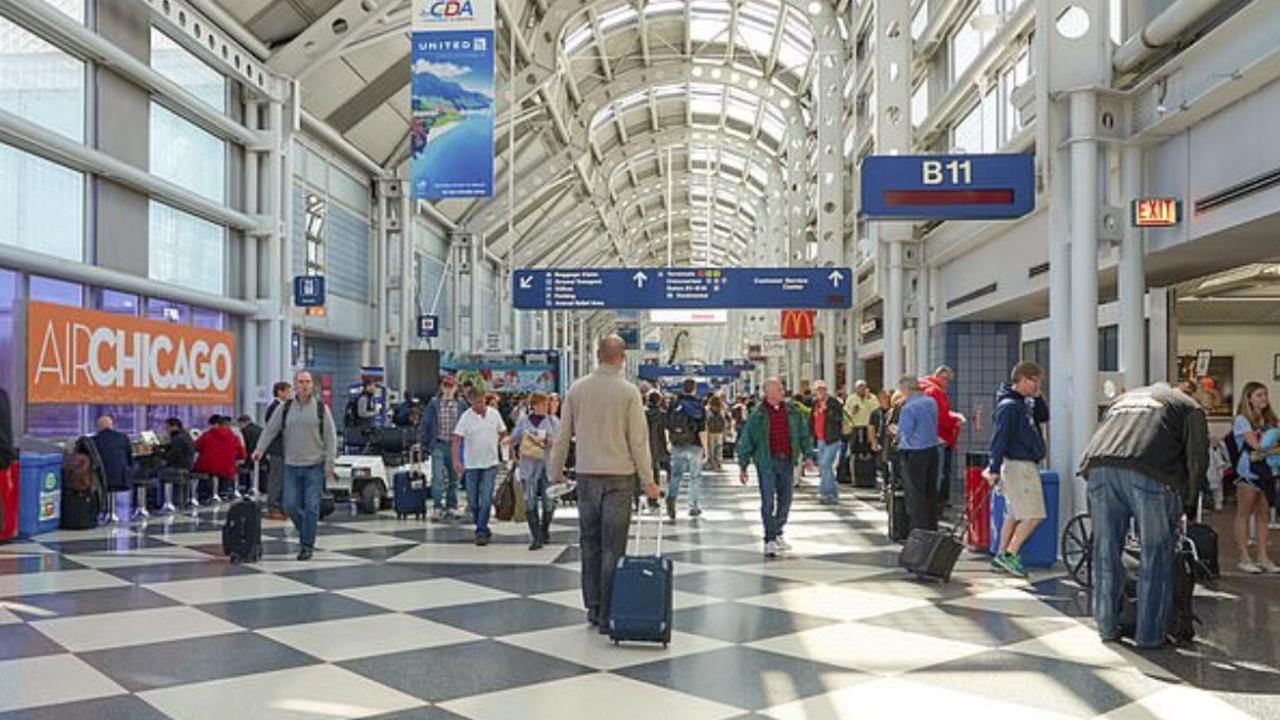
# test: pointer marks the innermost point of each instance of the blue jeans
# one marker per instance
(443, 475)
(535, 488)
(1115, 495)
(301, 498)
(776, 488)
(480, 496)
(828, 456)
(686, 458)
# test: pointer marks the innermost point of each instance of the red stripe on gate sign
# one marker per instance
(918, 198)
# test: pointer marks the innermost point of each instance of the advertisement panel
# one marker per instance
(80, 356)
(452, 125)
(507, 378)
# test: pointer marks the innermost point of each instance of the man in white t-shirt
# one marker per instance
(475, 456)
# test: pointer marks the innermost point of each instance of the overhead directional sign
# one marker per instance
(308, 291)
(948, 187)
(681, 288)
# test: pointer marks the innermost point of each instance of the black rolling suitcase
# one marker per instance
(411, 494)
(1204, 539)
(864, 470)
(242, 533)
(933, 553)
(844, 475)
(641, 604)
(896, 505)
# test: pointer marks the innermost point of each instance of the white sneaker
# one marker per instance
(783, 545)
(771, 550)
(1268, 566)
(1250, 567)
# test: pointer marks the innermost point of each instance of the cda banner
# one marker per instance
(85, 356)
(451, 138)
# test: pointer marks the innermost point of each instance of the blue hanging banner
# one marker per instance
(451, 140)
(948, 187)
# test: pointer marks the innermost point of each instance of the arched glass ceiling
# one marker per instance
(765, 36)
(696, 160)
(711, 106)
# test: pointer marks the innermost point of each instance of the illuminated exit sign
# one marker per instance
(1156, 212)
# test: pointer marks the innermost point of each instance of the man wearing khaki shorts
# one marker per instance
(1017, 448)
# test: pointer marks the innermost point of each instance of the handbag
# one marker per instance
(504, 499)
(519, 513)
(530, 449)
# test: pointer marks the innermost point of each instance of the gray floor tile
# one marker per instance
(341, 578)
(147, 667)
(89, 602)
(717, 556)
(738, 623)
(504, 617)
(292, 610)
(731, 585)
(980, 627)
(122, 707)
(528, 580)
(458, 671)
(377, 554)
(745, 677)
(105, 545)
(422, 713)
(23, 641)
(151, 574)
(48, 562)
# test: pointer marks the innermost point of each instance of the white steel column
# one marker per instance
(252, 244)
(924, 286)
(477, 267)
(278, 190)
(1132, 279)
(893, 135)
(1084, 272)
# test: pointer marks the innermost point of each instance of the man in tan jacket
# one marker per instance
(603, 415)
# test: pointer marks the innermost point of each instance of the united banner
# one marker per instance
(453, 90)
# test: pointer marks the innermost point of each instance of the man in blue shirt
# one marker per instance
(918, 450)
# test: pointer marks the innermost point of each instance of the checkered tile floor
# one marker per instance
(408, 619)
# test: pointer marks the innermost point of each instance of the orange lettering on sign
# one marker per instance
(1155, 212)
(797, 324)
(79, 356)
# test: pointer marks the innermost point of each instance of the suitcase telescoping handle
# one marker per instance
(640, 522)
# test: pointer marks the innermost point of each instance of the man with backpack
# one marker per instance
(686, 423)
(1144, 462)
(310, 448)
(435, 436)
(281, 392)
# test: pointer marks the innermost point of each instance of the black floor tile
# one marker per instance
(291, 610)
(719, 556)
(422, 713)
(181, 662)
(19, 640)
(105, 545)
(458, 671)
(377, 554)
(45, 562)
(731, 585)
(504, 617)
(738, 623)
(170, 572)
(88, 602)
(979, 627)
(342, 578)
(745, 677)
(527, 580)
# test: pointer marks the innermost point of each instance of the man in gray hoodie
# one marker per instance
(310, 448)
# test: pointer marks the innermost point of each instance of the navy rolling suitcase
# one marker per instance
(640, 606)
(410, 488)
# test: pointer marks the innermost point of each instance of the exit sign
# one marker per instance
(1156, 212)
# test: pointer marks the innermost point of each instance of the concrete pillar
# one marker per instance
(1132, 279)
(477, 298)
(924, 333)
(893, 317)
(252, 205)
(893, 135)
(1084, 273)
(278, 189)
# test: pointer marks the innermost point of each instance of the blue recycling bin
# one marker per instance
(39, 493)
(1041, 549)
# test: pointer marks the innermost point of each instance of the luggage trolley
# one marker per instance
(1077, 547)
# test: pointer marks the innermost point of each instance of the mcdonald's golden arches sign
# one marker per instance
(797, 324)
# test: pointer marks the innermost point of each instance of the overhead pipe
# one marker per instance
(223, 19)
(1163, 29)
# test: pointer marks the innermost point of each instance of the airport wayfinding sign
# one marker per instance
(682, 288)
(948, 187)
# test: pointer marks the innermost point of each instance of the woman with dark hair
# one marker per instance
(1254, 417)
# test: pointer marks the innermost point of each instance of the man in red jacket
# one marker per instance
(949, 424)
(218, 450)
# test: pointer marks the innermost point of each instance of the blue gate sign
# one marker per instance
(682, 288)
(308, 290)
(948, 187)
(428, 326)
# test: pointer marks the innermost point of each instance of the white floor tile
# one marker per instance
(836, 603)
(212, 537)
(6, 617)
(1010, 601)
(357, 541)
(424, 594)
(317, 692)
(49, 680)
(59, 581)
(132, 627)
(493, 554)
(812, 571)
(573, 599)
(869, 648)
(582, 644)
(1074, 643)
(230, 588)
(25, 548)
(587, 696)
(338, 640)
(892, 699)
(139, 557)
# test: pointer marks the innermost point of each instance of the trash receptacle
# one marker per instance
(1041, 549)
(39, 493)
(976, 502)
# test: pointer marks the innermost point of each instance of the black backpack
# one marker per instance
(1233, 449)
(288, 405)
(683, 429)
(351, 416)
(715, 422)
(242, 533)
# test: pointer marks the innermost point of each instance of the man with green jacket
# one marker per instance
(776, 439)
